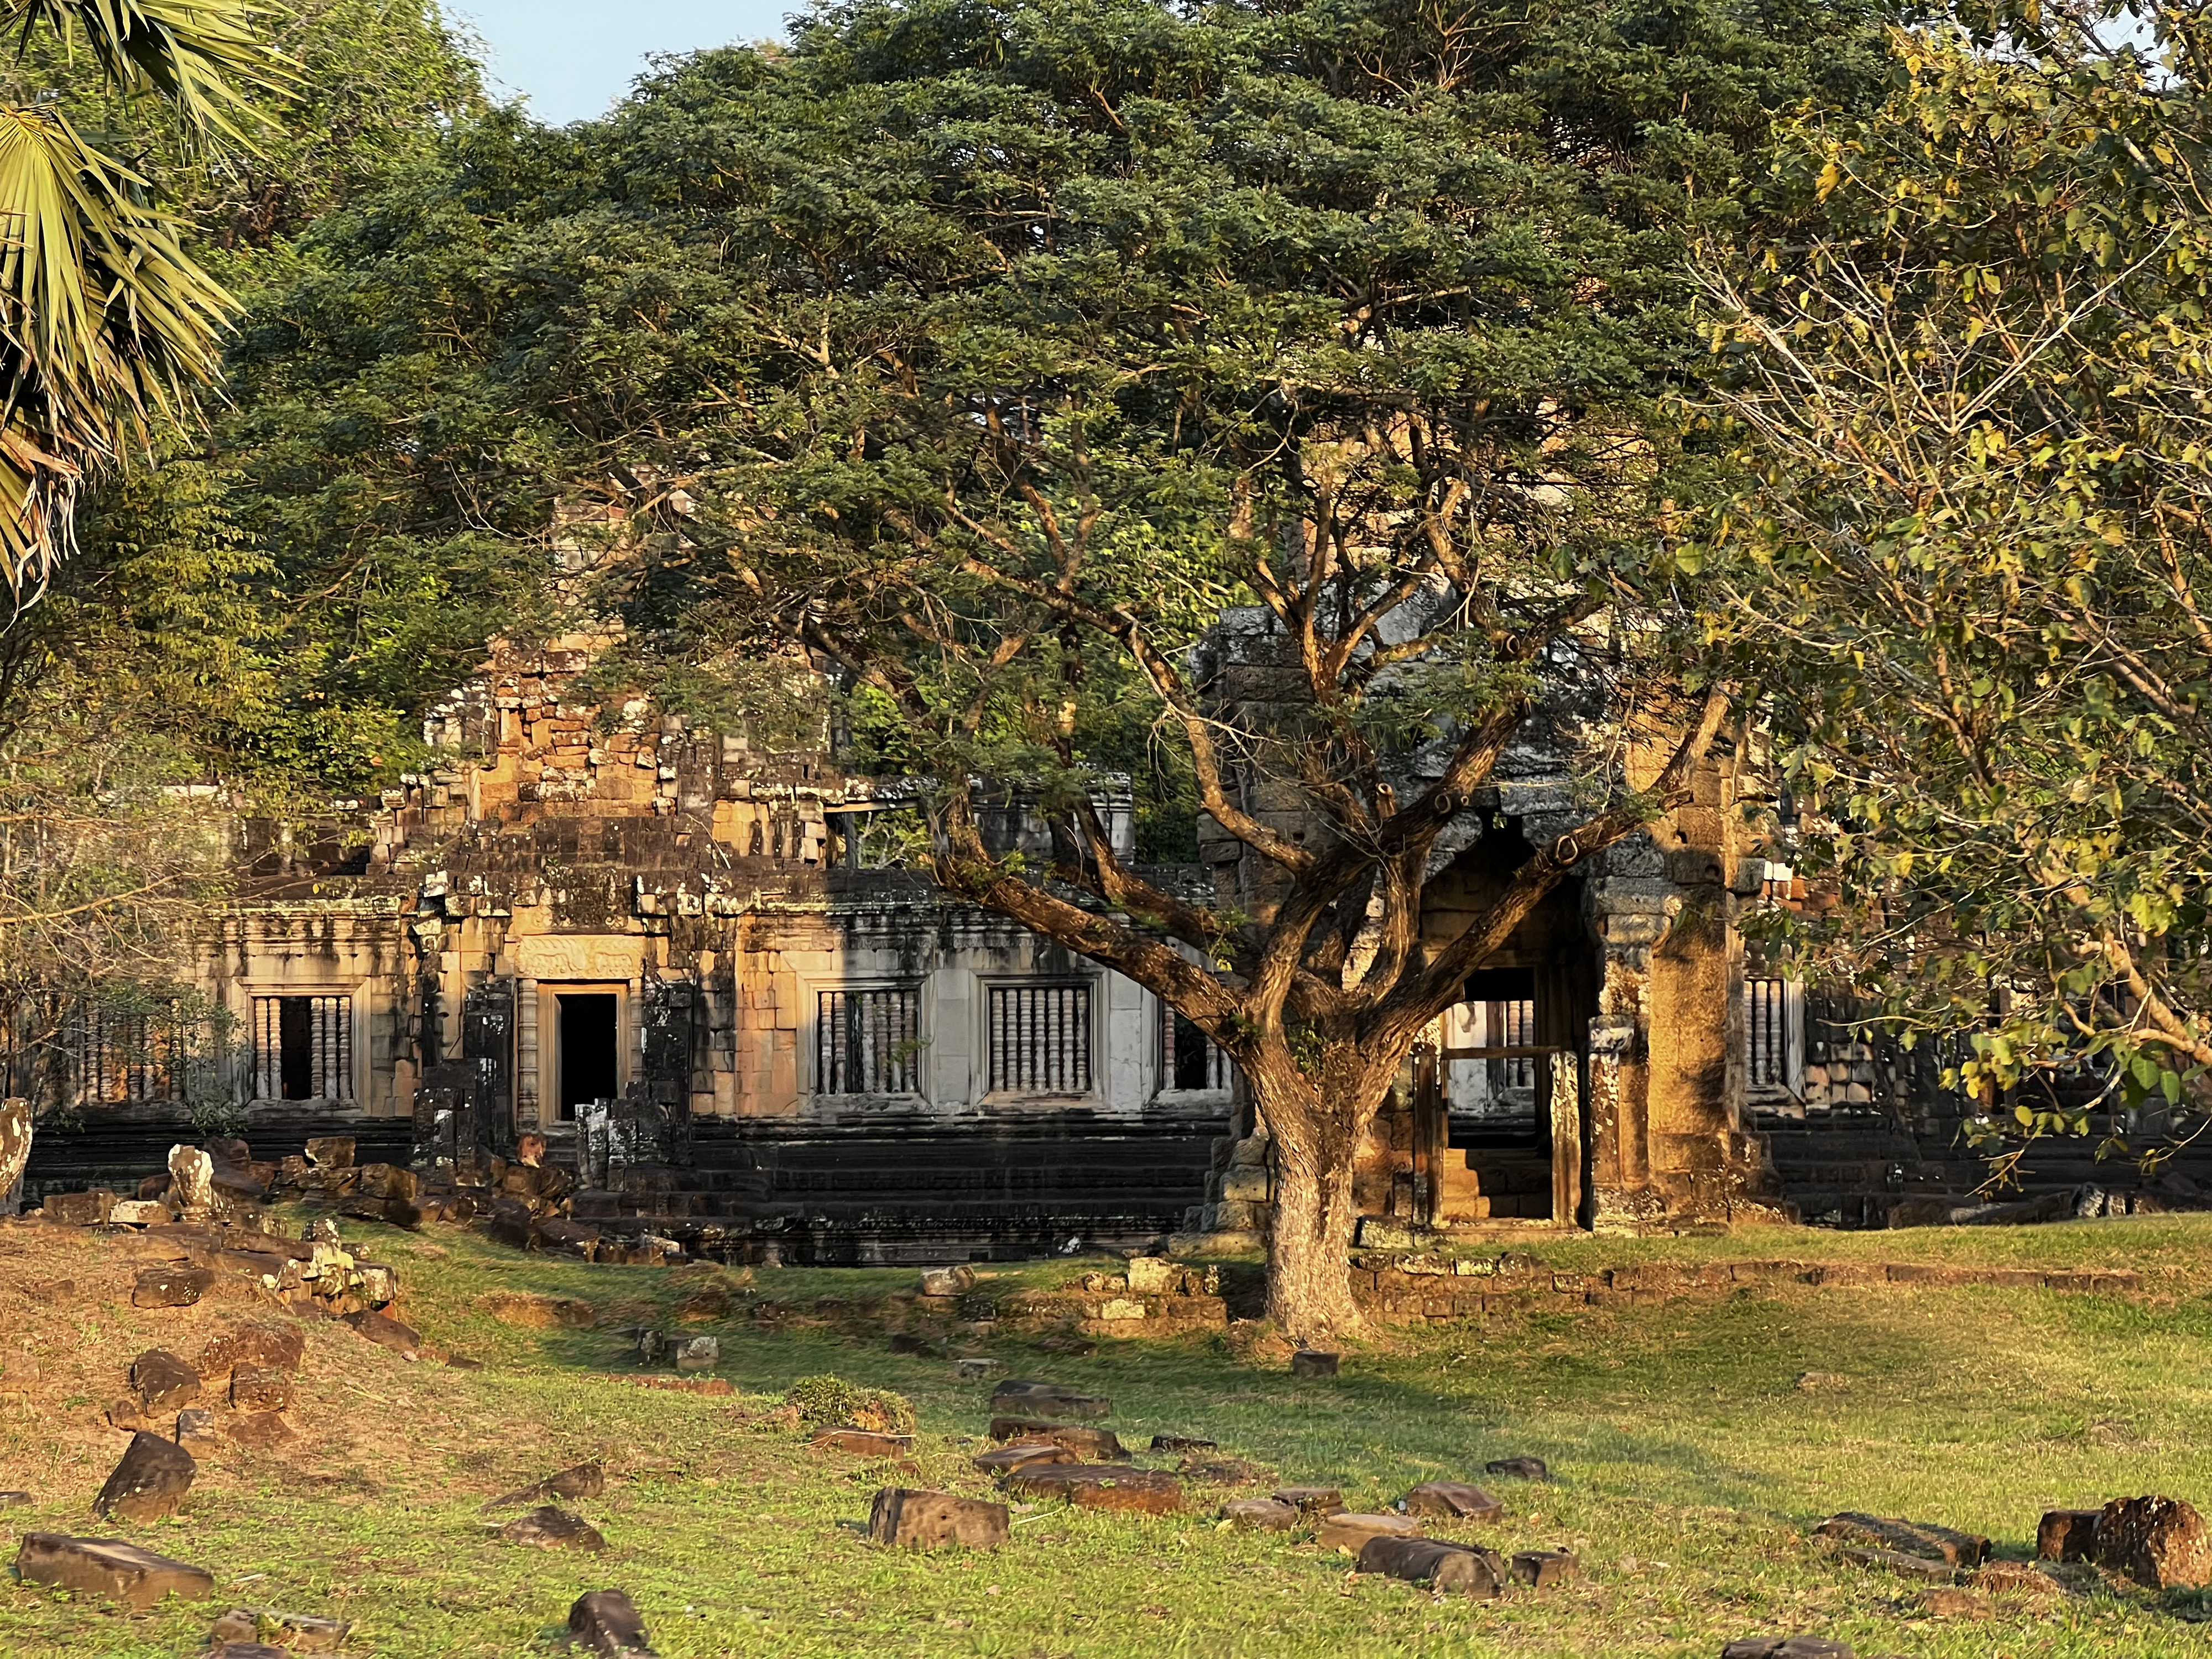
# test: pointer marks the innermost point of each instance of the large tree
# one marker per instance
(1008, 347)
(1974, 578)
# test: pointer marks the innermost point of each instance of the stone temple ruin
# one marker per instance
(681, 962)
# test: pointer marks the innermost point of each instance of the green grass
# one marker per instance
(1689, 1467)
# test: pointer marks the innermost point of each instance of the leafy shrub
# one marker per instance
(834, 1401)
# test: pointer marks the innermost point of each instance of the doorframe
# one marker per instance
(549, 993)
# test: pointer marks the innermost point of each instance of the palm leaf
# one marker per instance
(201, 55)
(106, 325)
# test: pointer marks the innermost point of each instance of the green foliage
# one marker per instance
(1970, 576)
(833, 1401)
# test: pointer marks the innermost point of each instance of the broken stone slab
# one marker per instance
(1546, 1569)
(1787, 1647)
(260, 1431)
(1260, 1515)
(1518, 1468)
(579, 1480)
(699, 1353)
(1311, 1500)
(1120, 1487)
(248, 1650)
(1960, 1549)
(607, 1622)
(12, 1499)
(1099, 1445)
(1932, 1569)
(1453, 1499)
(256, 1389)
(549, 1527)
(138, 1212)
(171, 1284)
(268, 1344)
(973, 1370)
(2159, 1542)
(108, 1567)
(1046, 1400)
(1349, 1530)
(151, 1480)
(297, 1631)
(2067, 1534)
(1954, 1604)
(163, 1381)
(1181, 1442)
(864, 1442)
(196, 1431)
(77, 1209)
(1312, 1362)
(1223, 1471)
(948, 1281)
(330, 1151)
(931, 1520)
(385, 1331)
(1022, 1455)
(1434, 1562)
(2014, 1579)
(191, 1179)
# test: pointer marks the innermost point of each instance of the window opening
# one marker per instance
(1767, 1003)
(1189, 1059)
(1040, 1039)
(303, 1048)
(868, 1042)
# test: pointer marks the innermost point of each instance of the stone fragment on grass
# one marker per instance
(699, 1353)
(163, 1381)
(301, 1633)
(1312, 1362)
(930, 1520)
(1787, 1647)
(1434, 1562)
(1453, 1499)
(1960, 1549)
(1928, 1568)
(151, 1480)
(1311, 1500)
(267, 1344)
(1022, 1455)
(1121, 1487)
(1347, 1530)
(138, 1212)
(2159, 1542)
(108, 1567)
(1051, 1400)
(171, 1284)
(607, 1622)
(248, 1650)
(973, 1370)
(2067, 1534)
(1260, 1515)
(1546, 1569)
(1518, 1468)
(257, 1389)
(2014, 1579)
(195, 1431)
(12, 1498)
(579, 1480)
(1224, 1472)
(948, 1281)
(1099, 1445)
(864, 1442)
(529, 1310)
(1181, 1442)
(549, 1527)
(385, 1331)
(1954, 1604)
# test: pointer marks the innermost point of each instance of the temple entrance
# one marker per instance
(588, 1060)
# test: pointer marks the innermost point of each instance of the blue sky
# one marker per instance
(574, 58)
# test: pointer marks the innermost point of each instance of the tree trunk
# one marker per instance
(1309, 1251)
(15, 1149)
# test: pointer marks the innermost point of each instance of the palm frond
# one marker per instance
(201, 55)
(106, 325)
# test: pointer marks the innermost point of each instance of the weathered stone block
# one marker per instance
(1960, 1549)
(1007, 1460)
(929, 1520)
(607, 1622)
(1116, 1486)
(551, 1527)
(1545, 1569)
(108, 1567)
(296, 1632)
(864, 1442)
(1099, 1445)
(1311, 1362)
(163, 1381)
(1260, 1515)
(2159, 1542)
(2067, 1534)
(1455, 1499)
(151, 1480)
(1440, 1564)
(1518, 1468)
(1311, 1500)
(1347, 1530)
(171, 1284)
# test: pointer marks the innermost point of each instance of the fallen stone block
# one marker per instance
(138, 1212)
(864, 1442)
(385, 1331)
(1453, 1499)
(1960, 1549)
(1546, 1569)
(607, 1622)
(298, 1632)
(151, 1480)
(196, 1431)
(529, 1310)
(1787, 1647)
(14, 1499)
(1954, 1604)
(1433, 1562)
(2067, 1534)
(1022, 1455)
(1928, 1568)
(1260, 1515)
(549, 1527)
(163, 1381)
(1224, 1472)
(331, 1152)
(1116, 1486)
(930, 1520)
(108, 1567)
(1181, 1442)
(948, 1281)
(1046, 1400)
(1518, 1468)
(248, 1650)
(1312, 1362)
(972, 1369)
(171, 1284)
(1311, 1500)
(2014, 1579)
(579, 1480)
(77, 1209)
(2159, 1542)
(1348, 1530)
(1098, 1445)
(271, 1346)
(698, 1354)
(256, 1389)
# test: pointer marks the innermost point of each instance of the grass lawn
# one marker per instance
(1689, 1466)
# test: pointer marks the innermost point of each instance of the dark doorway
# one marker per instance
(295, 1047)
(589, 1042)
